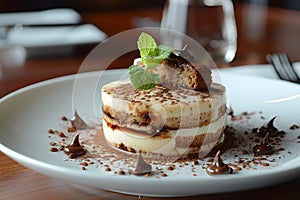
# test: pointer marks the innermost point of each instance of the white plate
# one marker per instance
(28, 114)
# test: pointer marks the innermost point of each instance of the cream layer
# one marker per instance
(171, 143)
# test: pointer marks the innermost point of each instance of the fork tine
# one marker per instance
(283, 67)
(273, 59)
(289, 67)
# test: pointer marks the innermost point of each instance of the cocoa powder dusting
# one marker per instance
(53, 149)
(294, 126)
(170, 168)
(106, 157)
(61, 134)
(108, 169)
(52, 143)
(51, 131)
(121, 172)
(163, 174)
(64, 118)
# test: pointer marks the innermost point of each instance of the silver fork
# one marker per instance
(283, 67)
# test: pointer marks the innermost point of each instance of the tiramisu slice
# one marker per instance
(182, 113)
(161, 120)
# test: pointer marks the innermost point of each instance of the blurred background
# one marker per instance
(250, 15)
(97, 5)
(263, 27)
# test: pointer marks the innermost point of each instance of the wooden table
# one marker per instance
(279, 32)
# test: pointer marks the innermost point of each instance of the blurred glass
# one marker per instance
(209, 22)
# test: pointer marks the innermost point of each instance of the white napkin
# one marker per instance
(52, 16)
(43, 40)
(55, 36)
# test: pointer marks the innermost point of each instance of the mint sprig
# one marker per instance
(151, 55)
(146, 45)
(142, 79)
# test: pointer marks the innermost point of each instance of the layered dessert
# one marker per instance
(184, 114)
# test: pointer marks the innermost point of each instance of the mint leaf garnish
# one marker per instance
(142, 79)
(161, 53)
(151, 55)
(146, 45)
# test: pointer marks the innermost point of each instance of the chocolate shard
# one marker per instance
(78, 122)
(142, 167)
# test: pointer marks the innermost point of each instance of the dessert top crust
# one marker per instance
(124, 90)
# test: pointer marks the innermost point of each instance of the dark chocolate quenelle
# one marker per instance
(218, 167)
(75, 149)
(265, 148)
(268, 128)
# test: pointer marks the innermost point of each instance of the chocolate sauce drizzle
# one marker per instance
(77, 122)
(218, 166)
(74, 149)
(265, 148)
(142, 167)
(268, 128)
